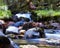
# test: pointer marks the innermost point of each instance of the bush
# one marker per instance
(47, 12)
(5, 14)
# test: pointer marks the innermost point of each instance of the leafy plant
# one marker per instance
(5, 14)
(47, 12)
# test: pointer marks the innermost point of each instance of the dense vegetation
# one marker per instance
(43, 7)
(5, 14)
(47, 12)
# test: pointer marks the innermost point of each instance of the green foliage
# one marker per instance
(56, 13)
(47, 12)
(5, 14)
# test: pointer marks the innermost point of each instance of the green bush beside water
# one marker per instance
(5, 14)
(47, 12)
